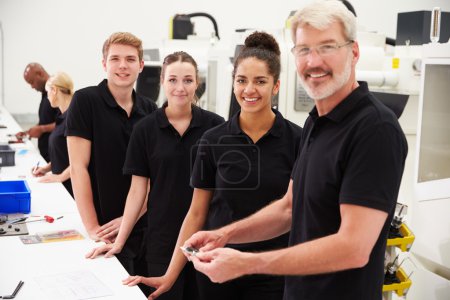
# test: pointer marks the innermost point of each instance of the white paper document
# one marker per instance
(76, 285)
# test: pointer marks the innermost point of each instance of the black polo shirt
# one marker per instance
(245, 176)
(57, 148)
(158, 152)
(95, 115)
(353, 155)
(47, 115)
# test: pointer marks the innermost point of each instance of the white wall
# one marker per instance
(68, 35)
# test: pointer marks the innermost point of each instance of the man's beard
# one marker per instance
(327, 89)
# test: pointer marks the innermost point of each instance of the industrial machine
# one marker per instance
(182, 37)
(425, 50)
(431, 180)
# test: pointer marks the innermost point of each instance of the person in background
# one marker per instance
(100, 120)
(344, 186)
(59, 88)
(241, 166)
(160, 153)
(36, 76)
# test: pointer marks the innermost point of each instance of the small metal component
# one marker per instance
(17, 229)
(390, 276)
(3, 218)
(17, 220)
(190, 250)
(397, 220)
(417, 65)
(435, 30)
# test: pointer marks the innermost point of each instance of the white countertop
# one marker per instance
(31, 262)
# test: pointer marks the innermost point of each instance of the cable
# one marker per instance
(349, 7)
(389, 41)
(209, 17)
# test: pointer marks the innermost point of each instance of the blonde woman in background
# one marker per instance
(60, 90)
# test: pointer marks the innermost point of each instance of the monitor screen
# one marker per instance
(433, 137)
(148, 83)
(434, 158)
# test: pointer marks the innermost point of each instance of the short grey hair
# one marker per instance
(320, 14)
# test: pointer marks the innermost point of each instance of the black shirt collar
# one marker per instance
(346, 106)
(276, 130)
(111, 102)
(163, 122)
(107, 95)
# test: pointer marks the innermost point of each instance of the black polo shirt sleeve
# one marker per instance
(79, 117)
(137, 158)
(296, 163)
(47, 115)
(374, 182)
(58, 146)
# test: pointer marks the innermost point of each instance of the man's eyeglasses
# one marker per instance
(322, 50)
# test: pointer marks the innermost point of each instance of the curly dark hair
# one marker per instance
(264, 47)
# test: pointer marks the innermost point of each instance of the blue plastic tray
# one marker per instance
(15, 197)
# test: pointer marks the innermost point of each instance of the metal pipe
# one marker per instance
(435, 25)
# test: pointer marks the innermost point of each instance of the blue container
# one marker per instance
(15, 197)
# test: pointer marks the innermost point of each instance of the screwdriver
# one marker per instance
(47, 219)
